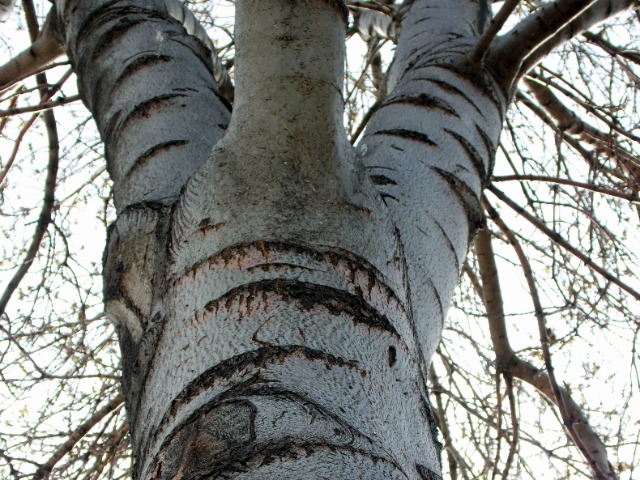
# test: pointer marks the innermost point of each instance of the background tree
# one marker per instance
(562, 208)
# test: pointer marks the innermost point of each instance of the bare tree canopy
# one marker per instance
(239, 250)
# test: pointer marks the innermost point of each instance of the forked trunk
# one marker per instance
(275, 316)
(264, 317)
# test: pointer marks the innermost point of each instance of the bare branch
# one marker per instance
(44, 50)
(50, 182)
(611, 49)
(608, 118)
(373, 20)
(567, 120)
(478, 54)
(564, 243)
(5, 8)
(45, 469)
(180, 12)
(456, 461)
(598, 12)
(40, 107)
(534, 30)
(573, 417)
(515, 426)
(16, 145)
(492, 297)
(566, 181)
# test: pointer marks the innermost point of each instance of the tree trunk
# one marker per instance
(276, 312)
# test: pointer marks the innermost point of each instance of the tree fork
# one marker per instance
(264, 317)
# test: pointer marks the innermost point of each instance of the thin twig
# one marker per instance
(565, 181)
(41, 106)
(365, 120)
(557, 238)
(515, 426)
(16, 146)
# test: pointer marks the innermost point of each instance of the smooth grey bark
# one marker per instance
(278, 298)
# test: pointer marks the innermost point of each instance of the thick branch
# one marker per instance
(613, 50)
(180, 12)
(534, 30)
(428, 165)
(44, 49)
(374, 21)
(519, 50)
(596, 13)
(150, 90)
(567, 120)
(480, 50)
(492, 297)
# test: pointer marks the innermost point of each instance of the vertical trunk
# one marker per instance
(264, 316)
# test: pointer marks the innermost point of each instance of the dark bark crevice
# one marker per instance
(407, 135)
(273, 250)
(250, 452)
(450, 245)
(449, 88)
(467, 198)
(144, 60)
(421, 100)
(478, 161)
(149, 154)
(307, 296)
(241, 374)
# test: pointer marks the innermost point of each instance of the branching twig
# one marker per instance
(573, 417)
(555, 236)
(479, 52)
(45, 469)
(50, 182)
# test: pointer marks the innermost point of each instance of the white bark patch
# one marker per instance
(429, 149)
(148, 85)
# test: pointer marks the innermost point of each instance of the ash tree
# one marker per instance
(279, 283)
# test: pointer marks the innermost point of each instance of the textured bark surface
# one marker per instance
(279, 294)
(145, 81)
(430, 148)
(264, 317)
(277, 301)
